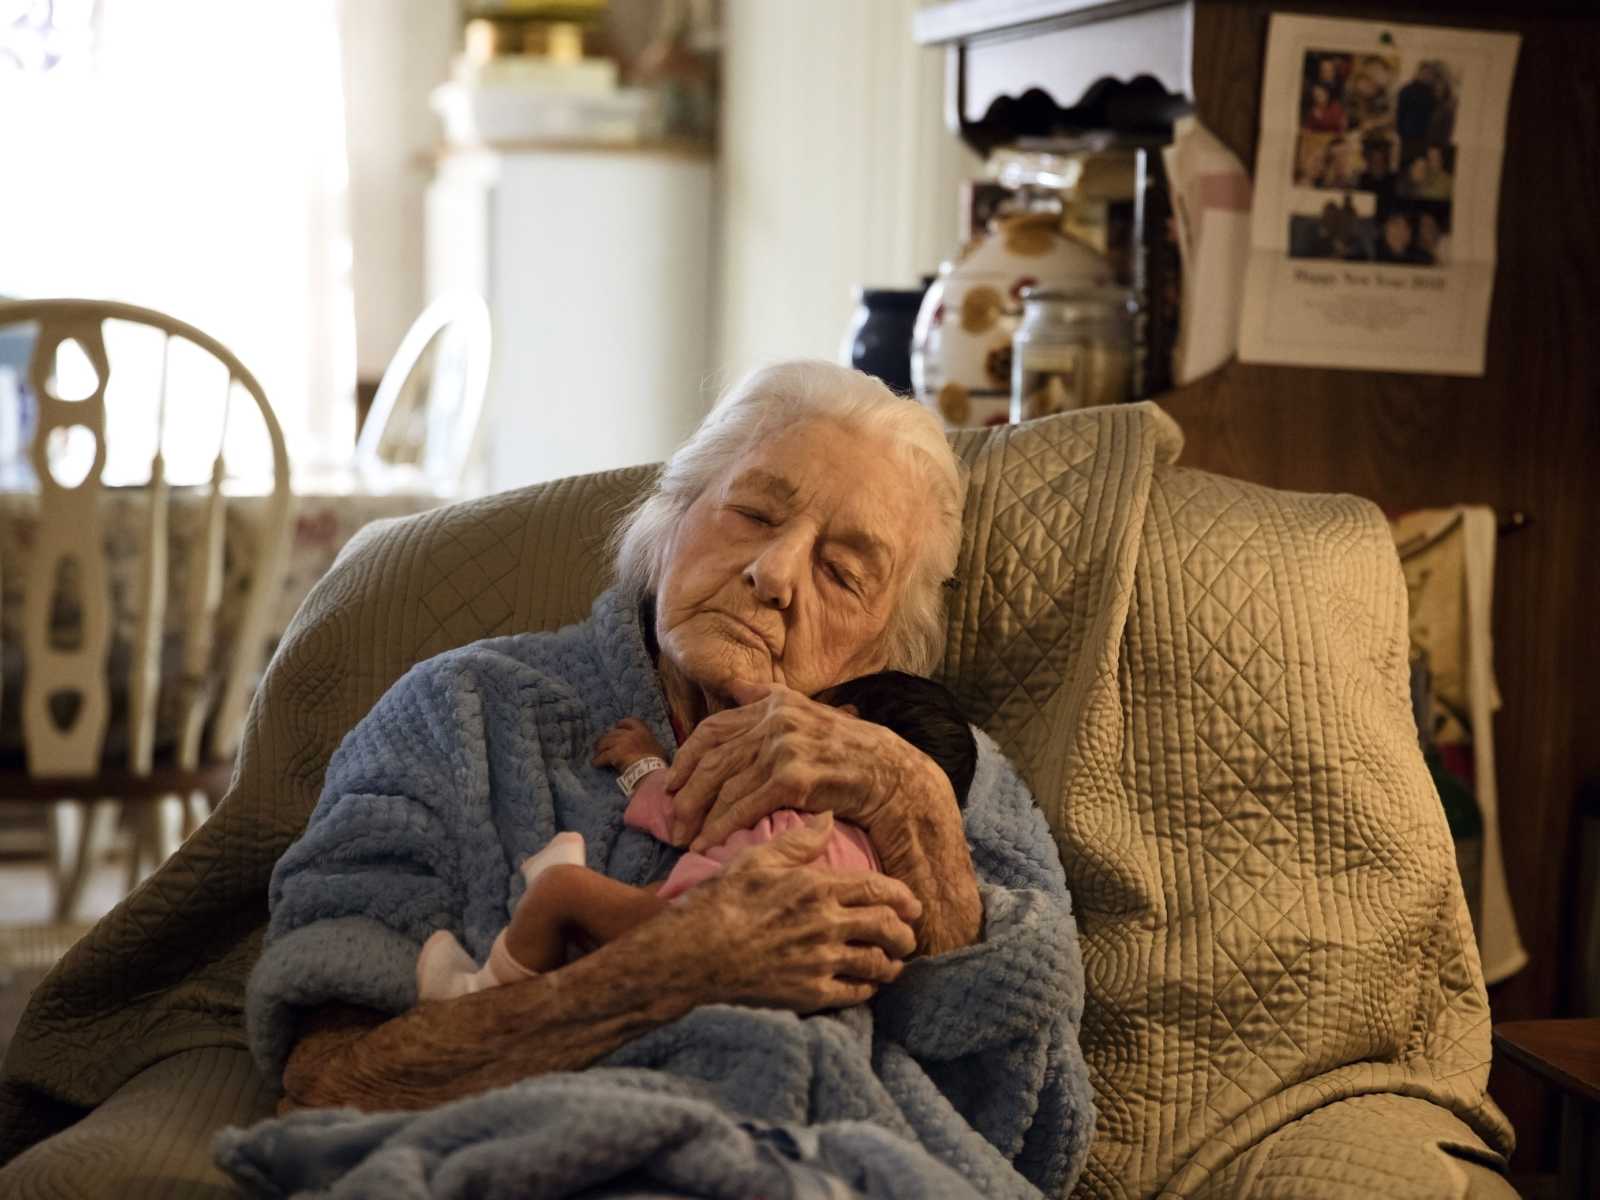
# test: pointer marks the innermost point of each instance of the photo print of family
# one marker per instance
(1375, 158)
(1377, 181)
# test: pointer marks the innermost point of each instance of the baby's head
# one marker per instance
(919, 710)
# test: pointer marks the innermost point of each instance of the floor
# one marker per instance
(26, 896)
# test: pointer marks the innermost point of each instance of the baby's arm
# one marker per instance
(632, 750)
(625, 744)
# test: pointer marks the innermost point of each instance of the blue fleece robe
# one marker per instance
(962, 1077)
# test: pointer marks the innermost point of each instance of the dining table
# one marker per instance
(330, 507)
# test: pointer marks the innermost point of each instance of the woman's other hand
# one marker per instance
(781, 749)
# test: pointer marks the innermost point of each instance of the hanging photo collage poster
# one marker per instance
(1376, 191)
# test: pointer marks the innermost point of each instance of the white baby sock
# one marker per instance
(563, 848)
(444, 968)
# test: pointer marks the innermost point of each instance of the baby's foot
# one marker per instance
(444, 969)
(563, 848)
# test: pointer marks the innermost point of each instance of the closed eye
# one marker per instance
(840, 576)
(755, 515)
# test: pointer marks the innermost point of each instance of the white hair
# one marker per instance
(763, 404)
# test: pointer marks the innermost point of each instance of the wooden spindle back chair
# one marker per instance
(67, 689)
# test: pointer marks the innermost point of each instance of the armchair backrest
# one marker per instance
(1271, 915)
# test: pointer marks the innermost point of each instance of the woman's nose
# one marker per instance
(773, 572)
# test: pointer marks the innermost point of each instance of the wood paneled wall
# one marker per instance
(1524, 437)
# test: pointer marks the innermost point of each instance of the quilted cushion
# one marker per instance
(1051, 532)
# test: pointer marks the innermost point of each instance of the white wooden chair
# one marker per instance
(446, 423)
(66, 696)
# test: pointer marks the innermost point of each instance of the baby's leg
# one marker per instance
(445, 970)
(567, 902)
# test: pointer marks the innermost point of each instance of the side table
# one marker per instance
(1565, 1054)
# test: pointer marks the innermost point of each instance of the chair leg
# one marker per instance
(168, 827)
(66, 834)
(198, 809)
(94, 836)
(158, 834)
(141, 841)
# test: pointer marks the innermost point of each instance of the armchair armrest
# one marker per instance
(152, 1136)
(1376, 1145)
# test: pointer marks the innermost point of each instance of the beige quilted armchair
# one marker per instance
(1205, 683)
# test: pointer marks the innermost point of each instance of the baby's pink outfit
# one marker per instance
(650, 809)
(445, 969)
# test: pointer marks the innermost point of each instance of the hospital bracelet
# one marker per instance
(629, 779)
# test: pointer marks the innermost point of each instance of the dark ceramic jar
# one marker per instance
(879, 341)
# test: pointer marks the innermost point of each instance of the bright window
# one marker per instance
(188, 155)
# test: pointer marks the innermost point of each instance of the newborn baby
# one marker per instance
(565, 903)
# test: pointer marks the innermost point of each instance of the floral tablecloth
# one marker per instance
(321, 525)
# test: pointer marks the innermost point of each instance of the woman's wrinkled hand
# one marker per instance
(779, 749)
(773, 930)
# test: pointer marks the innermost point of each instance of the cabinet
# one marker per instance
(1041, 68)
(596, 263)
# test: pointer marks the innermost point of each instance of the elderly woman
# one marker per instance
(802, 537)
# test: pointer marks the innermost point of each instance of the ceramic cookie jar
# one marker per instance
(961, 348)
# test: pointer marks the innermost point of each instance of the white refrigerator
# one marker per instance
(597, 266)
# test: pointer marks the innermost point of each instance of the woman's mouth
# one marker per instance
(745, 632)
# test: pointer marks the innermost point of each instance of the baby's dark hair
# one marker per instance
(919, 710)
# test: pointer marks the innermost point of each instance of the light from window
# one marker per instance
(193, 163)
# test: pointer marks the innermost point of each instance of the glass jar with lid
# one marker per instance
(1074, 349)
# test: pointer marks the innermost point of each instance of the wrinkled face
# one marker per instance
(787, 569)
